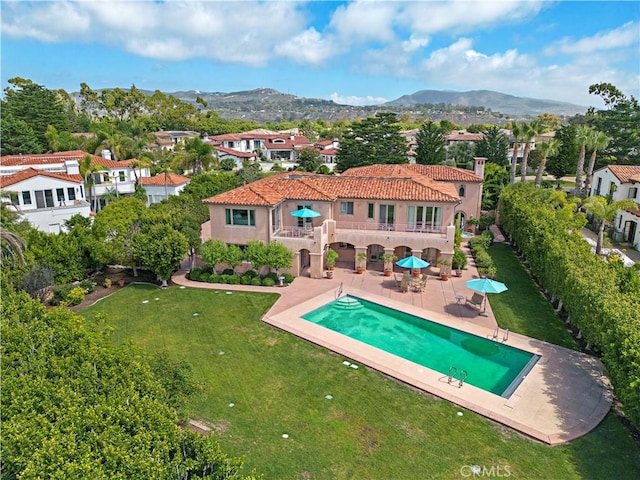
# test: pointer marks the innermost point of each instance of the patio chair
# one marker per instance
(404, 286)
(398, 279)
(419, 286)
(475, 300)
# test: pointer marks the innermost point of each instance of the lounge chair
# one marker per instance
(475, 300)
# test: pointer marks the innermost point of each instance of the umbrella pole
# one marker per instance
(484, 311)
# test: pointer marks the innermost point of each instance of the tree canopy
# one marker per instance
(431, 149)
(372, 141)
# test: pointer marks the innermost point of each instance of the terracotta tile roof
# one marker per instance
(440, 173)
(60, 157)
(464, 136)
(328, 151)
(313, 187)
(286, 143)
(159, 180)
(7, 180)
(235, 153)
(625, 173)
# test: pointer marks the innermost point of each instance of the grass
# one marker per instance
(372, 428)
(523, 308)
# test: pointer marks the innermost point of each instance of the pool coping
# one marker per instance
(550, 404)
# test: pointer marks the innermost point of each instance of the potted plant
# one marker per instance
(388, 259)
(459, 261)
(361, 260)
(470, 225)
(331, 257)
(445, 268)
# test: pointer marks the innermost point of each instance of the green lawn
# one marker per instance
(372, 428)
(523, 308)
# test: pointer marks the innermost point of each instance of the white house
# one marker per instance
(621, 182)
(109, 177)
(163, 186)
(46, 199)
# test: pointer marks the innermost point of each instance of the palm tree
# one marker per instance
(547, 149)
(604, 210)
(598, 141)
(582, 138)
(87, 169)
(12, 246)
(516, 132)
(529, 132)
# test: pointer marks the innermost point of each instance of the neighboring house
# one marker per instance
(328, 150)
(237, 156)
(46, 199)
(109, 178)
(401, 209)
(162, 186)
(621, 182)
(167, 140)
(462, 136)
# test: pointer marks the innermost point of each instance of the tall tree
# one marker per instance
(18, 137)
(620, 120)
(194, 155)
(462, 153)
(87, 169)
(598, 141)
(563, 162)
(530, 132)
(160, 248)
(495, 179)
(309, 160)
(371, 141)
(37, 106)
(431, 149)
(516, 133)
(604, 211)
(494, 146)
(547, 149)
(583, 133)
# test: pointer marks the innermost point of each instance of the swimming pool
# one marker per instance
(489, 365)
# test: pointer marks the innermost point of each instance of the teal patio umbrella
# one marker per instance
(486, 285)
(305, 213)
(412, 262)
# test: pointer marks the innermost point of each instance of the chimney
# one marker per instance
(106, 154)
(478, 168)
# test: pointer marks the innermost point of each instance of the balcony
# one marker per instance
(388, 228)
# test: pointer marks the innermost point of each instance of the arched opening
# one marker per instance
(305, 263)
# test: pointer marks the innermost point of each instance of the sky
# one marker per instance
(358, 53)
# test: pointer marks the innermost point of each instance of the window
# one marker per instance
(121, 177)
(234, 216)
(387, 214)
(346, 208)
(424, 218)
(633, 192)
(231, 144)
(26, 198)
(256, 144)
(44, 198)
(599, 186)
(370, 210)
(105, 177)
(60, 194)
(48, 197)
(71, 193)
(461, 191)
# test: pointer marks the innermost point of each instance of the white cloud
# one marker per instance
(625, 36)
(307, 47)
(464, 16)
(363, 21)
(356, 101)
(414, 43)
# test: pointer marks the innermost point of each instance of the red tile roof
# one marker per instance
(625, 173)
(60, 157)
(7, 180)
(236, 153)
(313, 187)
(440, 173)
(172, 179)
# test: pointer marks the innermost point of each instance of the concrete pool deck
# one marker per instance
(563, 397)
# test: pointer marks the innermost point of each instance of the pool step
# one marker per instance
(348, 303)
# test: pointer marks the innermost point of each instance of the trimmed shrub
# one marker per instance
(273, 276)
(228, 271)
(288, 278)
(213, 278)
(486, 220)
(268, 282)
(233, 279)
(256, 282)
(75, 296)
(195, 275)
(250, 274)
(245, 280)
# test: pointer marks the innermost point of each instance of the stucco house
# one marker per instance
(621, 182)
(400, 209)
(46, 199)
(162, 186)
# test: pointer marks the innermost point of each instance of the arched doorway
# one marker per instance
(305, 263)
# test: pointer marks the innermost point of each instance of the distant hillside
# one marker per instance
(496, 101)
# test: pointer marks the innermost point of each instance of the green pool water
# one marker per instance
(491, 366)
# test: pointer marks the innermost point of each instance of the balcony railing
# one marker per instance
(393, 227)
(295, 232)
